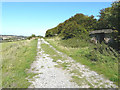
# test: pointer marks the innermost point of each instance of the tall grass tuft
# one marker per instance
(17, 58)
(98, 57)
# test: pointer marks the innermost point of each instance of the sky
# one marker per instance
(26, 18)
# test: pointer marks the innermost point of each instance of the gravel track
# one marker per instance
(51, 77)
(48, 75)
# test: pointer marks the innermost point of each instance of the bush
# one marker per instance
(33, 35)
(92, 56)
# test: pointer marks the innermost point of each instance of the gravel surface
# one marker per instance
(48, 75)
(51, 77)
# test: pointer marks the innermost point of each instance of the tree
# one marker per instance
(115, 20)
(33, 35)
(109, 18)
(73, 27)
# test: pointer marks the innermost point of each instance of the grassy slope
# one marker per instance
(106, 64)
(17, 57)
(55, 56)
(0, 66)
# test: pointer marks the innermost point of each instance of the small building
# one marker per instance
(101, 35)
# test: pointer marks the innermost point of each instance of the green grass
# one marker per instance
(51, 52)
(17, 58)
(79, 81)
(0, 66)
(99, 58)
(55, 56)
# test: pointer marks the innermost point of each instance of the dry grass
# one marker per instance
(101, 59)
(17, 57)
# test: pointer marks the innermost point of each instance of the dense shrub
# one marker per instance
(77, 25)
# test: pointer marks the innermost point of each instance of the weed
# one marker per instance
(100, 58)
(14, 66)
(58, 66)
(41, 73)
(64, 65)
(42, 66)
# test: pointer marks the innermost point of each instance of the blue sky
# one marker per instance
(26, 18)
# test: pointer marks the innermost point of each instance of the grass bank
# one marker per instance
(16, 59)
(100, 57)
(0, 66)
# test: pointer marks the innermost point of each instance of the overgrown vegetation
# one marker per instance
(17, 58)
(99, 58)
(80, 25)
(75, 41)
(51, 52)
(75, 26)
(0, 66)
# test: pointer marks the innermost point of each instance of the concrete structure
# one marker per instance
(101, 35)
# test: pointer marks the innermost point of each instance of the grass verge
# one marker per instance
(97, 57)
(51, 52)
(17, 58)
(0, 66)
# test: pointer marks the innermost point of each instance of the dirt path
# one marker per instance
(51, 77)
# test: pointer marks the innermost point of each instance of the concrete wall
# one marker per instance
(106, 37)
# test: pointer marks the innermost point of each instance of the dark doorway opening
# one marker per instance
(102, 35)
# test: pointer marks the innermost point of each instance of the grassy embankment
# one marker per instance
(17, 58)
(0, 66)
(99, 58)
